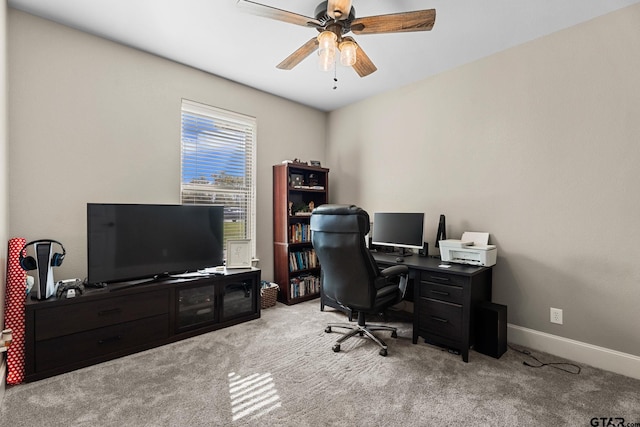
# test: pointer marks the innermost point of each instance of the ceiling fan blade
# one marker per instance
(363, 65)
(301, 53)
(420, 20)
(278, 14)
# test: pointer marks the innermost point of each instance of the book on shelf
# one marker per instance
(303, 260)
(308, 187)
(307, 284)
(299, 233)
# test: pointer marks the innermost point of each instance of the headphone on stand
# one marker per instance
(29, 263)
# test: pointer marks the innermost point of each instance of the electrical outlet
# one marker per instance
(556, 316)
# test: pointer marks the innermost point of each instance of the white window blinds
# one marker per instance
(218, 165)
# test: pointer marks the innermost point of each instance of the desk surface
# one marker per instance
(428, 263)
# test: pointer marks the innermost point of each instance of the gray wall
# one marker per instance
(4, 162)
(4, 174)
(538, 145)
(95, 121)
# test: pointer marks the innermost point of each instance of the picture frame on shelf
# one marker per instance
(238, 253)
(315, 163)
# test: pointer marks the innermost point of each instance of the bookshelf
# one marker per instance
(297, 189)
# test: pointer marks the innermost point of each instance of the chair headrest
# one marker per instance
(329, 209)
(360, 215)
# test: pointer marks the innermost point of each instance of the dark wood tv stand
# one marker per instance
(62, 335)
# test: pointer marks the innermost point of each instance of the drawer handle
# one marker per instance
(109, 312)
(440, 319)
(439, 292)
(110, 340)
(442, 279)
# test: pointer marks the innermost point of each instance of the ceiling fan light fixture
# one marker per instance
(326, 61)
(348, 53)
(338, 9)
(327, 49)
(327, 41)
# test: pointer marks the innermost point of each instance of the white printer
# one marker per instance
(472, 248)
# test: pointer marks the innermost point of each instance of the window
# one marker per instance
(218, 166)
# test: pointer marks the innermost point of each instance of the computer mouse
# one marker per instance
(399, 259)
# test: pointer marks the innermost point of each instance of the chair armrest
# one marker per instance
(394, 270)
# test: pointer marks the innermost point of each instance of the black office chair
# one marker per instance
(350, 275)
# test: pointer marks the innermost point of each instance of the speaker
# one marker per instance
(29, 263)
(442, 230)
(425, 249)
(491, 329)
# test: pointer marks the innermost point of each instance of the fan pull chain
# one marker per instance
(335, 76)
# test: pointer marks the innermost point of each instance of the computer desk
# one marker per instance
(445, 299)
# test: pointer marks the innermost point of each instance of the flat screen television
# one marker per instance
(135, 241)
(402, 230)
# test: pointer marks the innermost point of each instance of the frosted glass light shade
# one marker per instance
(327, 41)
(348, 53)
(327, 50)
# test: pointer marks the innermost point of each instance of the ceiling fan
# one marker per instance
(334, 19)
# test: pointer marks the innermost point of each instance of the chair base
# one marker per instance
(362, 330)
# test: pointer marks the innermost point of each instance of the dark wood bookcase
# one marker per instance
(297, 188)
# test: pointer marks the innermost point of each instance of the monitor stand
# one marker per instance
(401, 253)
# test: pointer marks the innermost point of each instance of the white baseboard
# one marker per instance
(598, 357)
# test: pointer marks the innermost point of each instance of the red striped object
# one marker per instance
(14, 311)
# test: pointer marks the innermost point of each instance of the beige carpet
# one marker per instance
(280, 371)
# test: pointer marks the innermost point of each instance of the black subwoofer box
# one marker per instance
(491, 329)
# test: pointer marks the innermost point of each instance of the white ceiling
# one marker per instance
(218, 37)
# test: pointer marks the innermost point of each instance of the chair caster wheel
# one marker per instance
(327, 329)
(383, 352)
(336, 348)
(394, 334)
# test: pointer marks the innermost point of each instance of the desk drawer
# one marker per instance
(444, 278)
(441, 292)
(440, 318)
(56, 352)
(85, 315)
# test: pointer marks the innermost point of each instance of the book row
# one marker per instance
(299, 233)
(303, 260)
(304, 285)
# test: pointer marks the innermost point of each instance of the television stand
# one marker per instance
(62, 335)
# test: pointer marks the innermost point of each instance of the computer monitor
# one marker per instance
(402, 230)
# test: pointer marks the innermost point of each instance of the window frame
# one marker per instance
(239, 123)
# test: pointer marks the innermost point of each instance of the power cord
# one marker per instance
(570, 368)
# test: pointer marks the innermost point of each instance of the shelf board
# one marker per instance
(307, 190)
(306, 270)
(291, 301)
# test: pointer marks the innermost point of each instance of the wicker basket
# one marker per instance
(269, 295)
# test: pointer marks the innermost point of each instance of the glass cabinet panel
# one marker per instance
(196, 306)
(238, 299)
